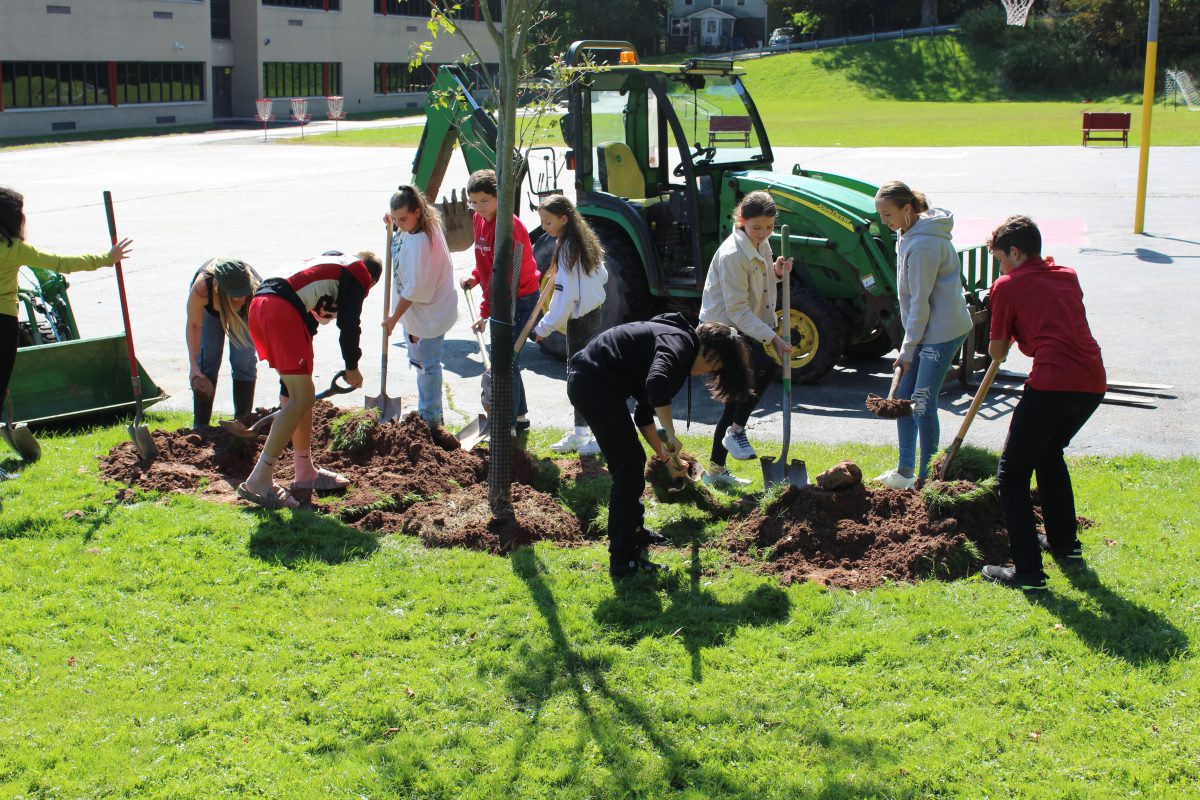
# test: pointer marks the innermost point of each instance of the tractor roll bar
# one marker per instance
(596, 44)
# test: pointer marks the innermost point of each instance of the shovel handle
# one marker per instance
(896, 373)
(335, 387)
(547, 290)
(483, 353)
(980, 393)
(387, 301)
(134, 375)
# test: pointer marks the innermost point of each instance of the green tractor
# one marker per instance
(661, 154)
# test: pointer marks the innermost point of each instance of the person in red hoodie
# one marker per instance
(482, 194)
(284, 316)
(1039, 304)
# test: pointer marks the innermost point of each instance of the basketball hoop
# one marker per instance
(334, 111)
(1018, 10)
(300, 113)
(262, 107)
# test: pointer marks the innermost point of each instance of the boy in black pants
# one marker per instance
(1040, 305)
(648, 361)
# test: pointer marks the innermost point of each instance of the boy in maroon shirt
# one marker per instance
(482, 194)
(1039, 304)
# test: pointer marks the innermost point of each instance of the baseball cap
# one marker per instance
(233, 276)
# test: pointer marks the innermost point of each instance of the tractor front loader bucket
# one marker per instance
(57, 382)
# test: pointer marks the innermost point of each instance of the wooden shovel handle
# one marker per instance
(980, 393)
(483, 352)
(895, 383)
(547, 290)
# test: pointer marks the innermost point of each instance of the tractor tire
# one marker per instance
(25, 334)
(818, 336)
(875, 346)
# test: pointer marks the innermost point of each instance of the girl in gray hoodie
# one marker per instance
(934, 313)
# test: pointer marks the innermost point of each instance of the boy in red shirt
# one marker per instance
(1039, 304)
(482, 194)
(284, 316)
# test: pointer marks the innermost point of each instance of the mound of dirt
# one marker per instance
(397, 465)
(857, 537)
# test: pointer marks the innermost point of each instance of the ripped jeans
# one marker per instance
(425, 356)
(922, 384)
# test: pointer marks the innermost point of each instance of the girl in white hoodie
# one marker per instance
(934, 313)
(578, 295)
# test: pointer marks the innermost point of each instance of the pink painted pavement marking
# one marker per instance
(1055, 232)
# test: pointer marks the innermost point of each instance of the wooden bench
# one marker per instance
(729, 129)
(1114, 122)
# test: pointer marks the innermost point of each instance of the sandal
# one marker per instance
(324, 482)
(277, 498)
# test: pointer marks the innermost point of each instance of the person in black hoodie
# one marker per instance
(648, 361)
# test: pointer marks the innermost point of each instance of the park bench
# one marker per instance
(729, 129)
(1114, 122)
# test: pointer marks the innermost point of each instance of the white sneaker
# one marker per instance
(725, 480)
(570, 443)
(894, 480)
(738, 445)
(591, 448)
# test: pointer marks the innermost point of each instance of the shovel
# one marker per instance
(693, 470)
(241, 431)
(138, 432)
(980, 393)
(777, 472)
(478, 429)
(388, 407)
(18, 436)
(890, 407)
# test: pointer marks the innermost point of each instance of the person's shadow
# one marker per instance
(308, 536)
(1112, 624)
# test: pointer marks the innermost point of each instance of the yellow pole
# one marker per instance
(1139, 216)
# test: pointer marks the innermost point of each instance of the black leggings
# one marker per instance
(765, 369)
(8, 352)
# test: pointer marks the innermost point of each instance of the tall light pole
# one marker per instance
(1139, 217)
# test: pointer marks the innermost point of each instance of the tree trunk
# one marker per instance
(929, 13)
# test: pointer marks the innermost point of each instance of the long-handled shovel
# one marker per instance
(781, 471)
(138, 432)
(478, 429)
(980, 393)
(257, 429)
(890, 407)
(388, 407)
(18, 436)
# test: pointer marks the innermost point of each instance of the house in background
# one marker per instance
(696, 25)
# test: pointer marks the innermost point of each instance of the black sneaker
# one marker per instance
(641, 565)
(521, 424)
(1007, 576)
(1073, 554)
(647, 536)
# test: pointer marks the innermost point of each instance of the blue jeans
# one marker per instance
(425, 356)
(243, 361)
(525, 307)
(922, 384)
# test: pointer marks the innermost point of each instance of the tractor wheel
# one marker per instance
(877, 345)
(818, 336)
(25, 333)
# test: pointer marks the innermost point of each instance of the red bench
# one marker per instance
(1114, 122)
(729, 129)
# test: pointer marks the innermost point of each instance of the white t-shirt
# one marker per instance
(422, 273)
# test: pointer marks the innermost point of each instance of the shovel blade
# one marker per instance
(388, 407)
(143, 441)
(772, 470)
(20, 439)
(475, 432)
(797, 473)
(238, 429)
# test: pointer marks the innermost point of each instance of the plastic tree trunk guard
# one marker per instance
(68, 380)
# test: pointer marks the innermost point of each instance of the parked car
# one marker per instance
(782, 36)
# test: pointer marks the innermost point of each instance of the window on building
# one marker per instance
(301, 79)
(468, 9)
(219, 11)
(316, 5)
(400, 77)
(54, 84)
(716, 3)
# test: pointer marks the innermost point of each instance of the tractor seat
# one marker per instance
(620, 173)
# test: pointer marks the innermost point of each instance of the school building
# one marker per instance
(86, 65)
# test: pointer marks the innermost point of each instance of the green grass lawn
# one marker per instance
(164, 647)
(910, 93)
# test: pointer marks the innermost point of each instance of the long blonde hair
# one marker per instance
(231, 318)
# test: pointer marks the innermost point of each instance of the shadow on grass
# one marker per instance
(931, 70)
(1115, 625)
(307, 536)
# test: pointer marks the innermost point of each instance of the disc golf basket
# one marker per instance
(334, 111)
(262, 110)
(1018, 10)
(300, 113)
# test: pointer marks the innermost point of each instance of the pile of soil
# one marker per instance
(888, 409)
(861, 537)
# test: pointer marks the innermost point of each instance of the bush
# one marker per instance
(983, 26)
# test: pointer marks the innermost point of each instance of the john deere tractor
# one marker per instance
(661, 155)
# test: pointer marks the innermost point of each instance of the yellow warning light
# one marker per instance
(628, 57)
